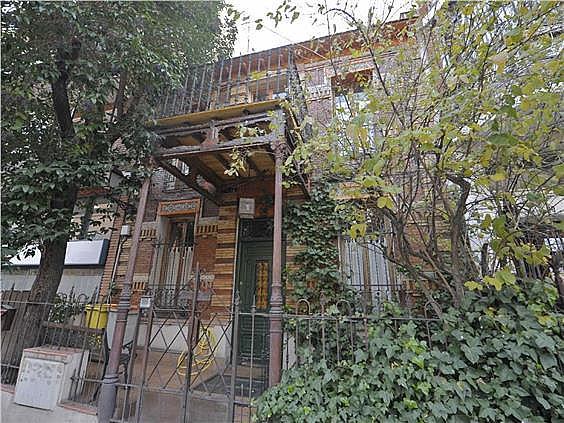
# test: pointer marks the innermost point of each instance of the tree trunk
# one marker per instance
(53, 251)
(46, 284)
(44, 290)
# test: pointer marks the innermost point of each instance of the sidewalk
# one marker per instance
(68, 413)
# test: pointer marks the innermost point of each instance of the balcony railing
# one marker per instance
(241, 80)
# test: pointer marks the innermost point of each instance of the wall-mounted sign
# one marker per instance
(79, 253)
(247, 207)
(171, 208)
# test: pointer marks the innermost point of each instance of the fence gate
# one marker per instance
(186, 355)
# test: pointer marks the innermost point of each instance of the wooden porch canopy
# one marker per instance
(204, 141)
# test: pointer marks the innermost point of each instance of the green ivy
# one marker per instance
(315, 225)
(497, 357)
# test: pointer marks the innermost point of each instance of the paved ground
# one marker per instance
(14, 413)
(210, 406)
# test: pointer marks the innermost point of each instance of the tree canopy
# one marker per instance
(452, 145)
(79, 82)
(76, 78)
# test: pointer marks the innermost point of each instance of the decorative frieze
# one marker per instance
(179, 207)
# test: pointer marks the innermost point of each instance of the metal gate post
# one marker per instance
(191, 325)
(145, 359)
(108, 389)
(234, 358)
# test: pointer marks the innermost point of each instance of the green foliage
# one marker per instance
(498, 357)
(455, 143)
(315, 224)
(79, 83)
(65, 307)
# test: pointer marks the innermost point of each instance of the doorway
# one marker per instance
(253, 283)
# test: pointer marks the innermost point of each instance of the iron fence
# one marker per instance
(190, 361)
(70, 321)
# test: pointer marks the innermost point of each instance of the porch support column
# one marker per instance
(276, 302)
(108, 390)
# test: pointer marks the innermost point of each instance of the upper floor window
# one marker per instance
(349, 93)
(209, 209)
(170, 182)
(350, 100)
(316, 77)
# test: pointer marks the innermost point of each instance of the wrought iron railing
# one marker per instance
(253, 78)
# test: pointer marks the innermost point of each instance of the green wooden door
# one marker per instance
(254, 279)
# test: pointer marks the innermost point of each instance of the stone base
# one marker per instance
(44, 378)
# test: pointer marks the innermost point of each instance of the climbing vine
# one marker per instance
(315, 225)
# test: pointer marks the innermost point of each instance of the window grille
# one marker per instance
(170, 181)
(365, 269)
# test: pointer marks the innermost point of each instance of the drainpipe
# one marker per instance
(276, 302)
(108, 390)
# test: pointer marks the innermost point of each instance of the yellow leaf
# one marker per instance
(358, 229)
(500, 58)
(473, 286)
(385, 202)
(495, 282)
(498, 176)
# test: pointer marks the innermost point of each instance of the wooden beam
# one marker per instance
(194, 150)
(224, 162)
(242, 180)
(226, 112)
(203, 170)
(187, 130)
(189, 181)
(253, 165)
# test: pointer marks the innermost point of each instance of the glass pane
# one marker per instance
(262, 272)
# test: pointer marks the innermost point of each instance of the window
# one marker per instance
(365, 269)
(181, 233)
(175, 256)
(349, 102)
(209, 208)
(349, 92)
(170, 181)
(315, 77)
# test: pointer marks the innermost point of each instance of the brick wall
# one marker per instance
(225, 258)
(215, 241)
(112, 254)
(205, 247)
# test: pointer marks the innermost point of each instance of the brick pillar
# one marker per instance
(225, 258)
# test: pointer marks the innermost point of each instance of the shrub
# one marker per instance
(498, 357)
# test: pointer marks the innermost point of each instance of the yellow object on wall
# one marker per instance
(97, 315)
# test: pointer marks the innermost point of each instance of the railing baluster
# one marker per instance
(165, 111)
(202, 87)
(278, 70)
(219, 82)
(174, 98)
(229, 79)
(267, 89)
(257, 79)
(248, 80)
(194, 77)
(184, 92)
(212, 80)
(238, 84)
